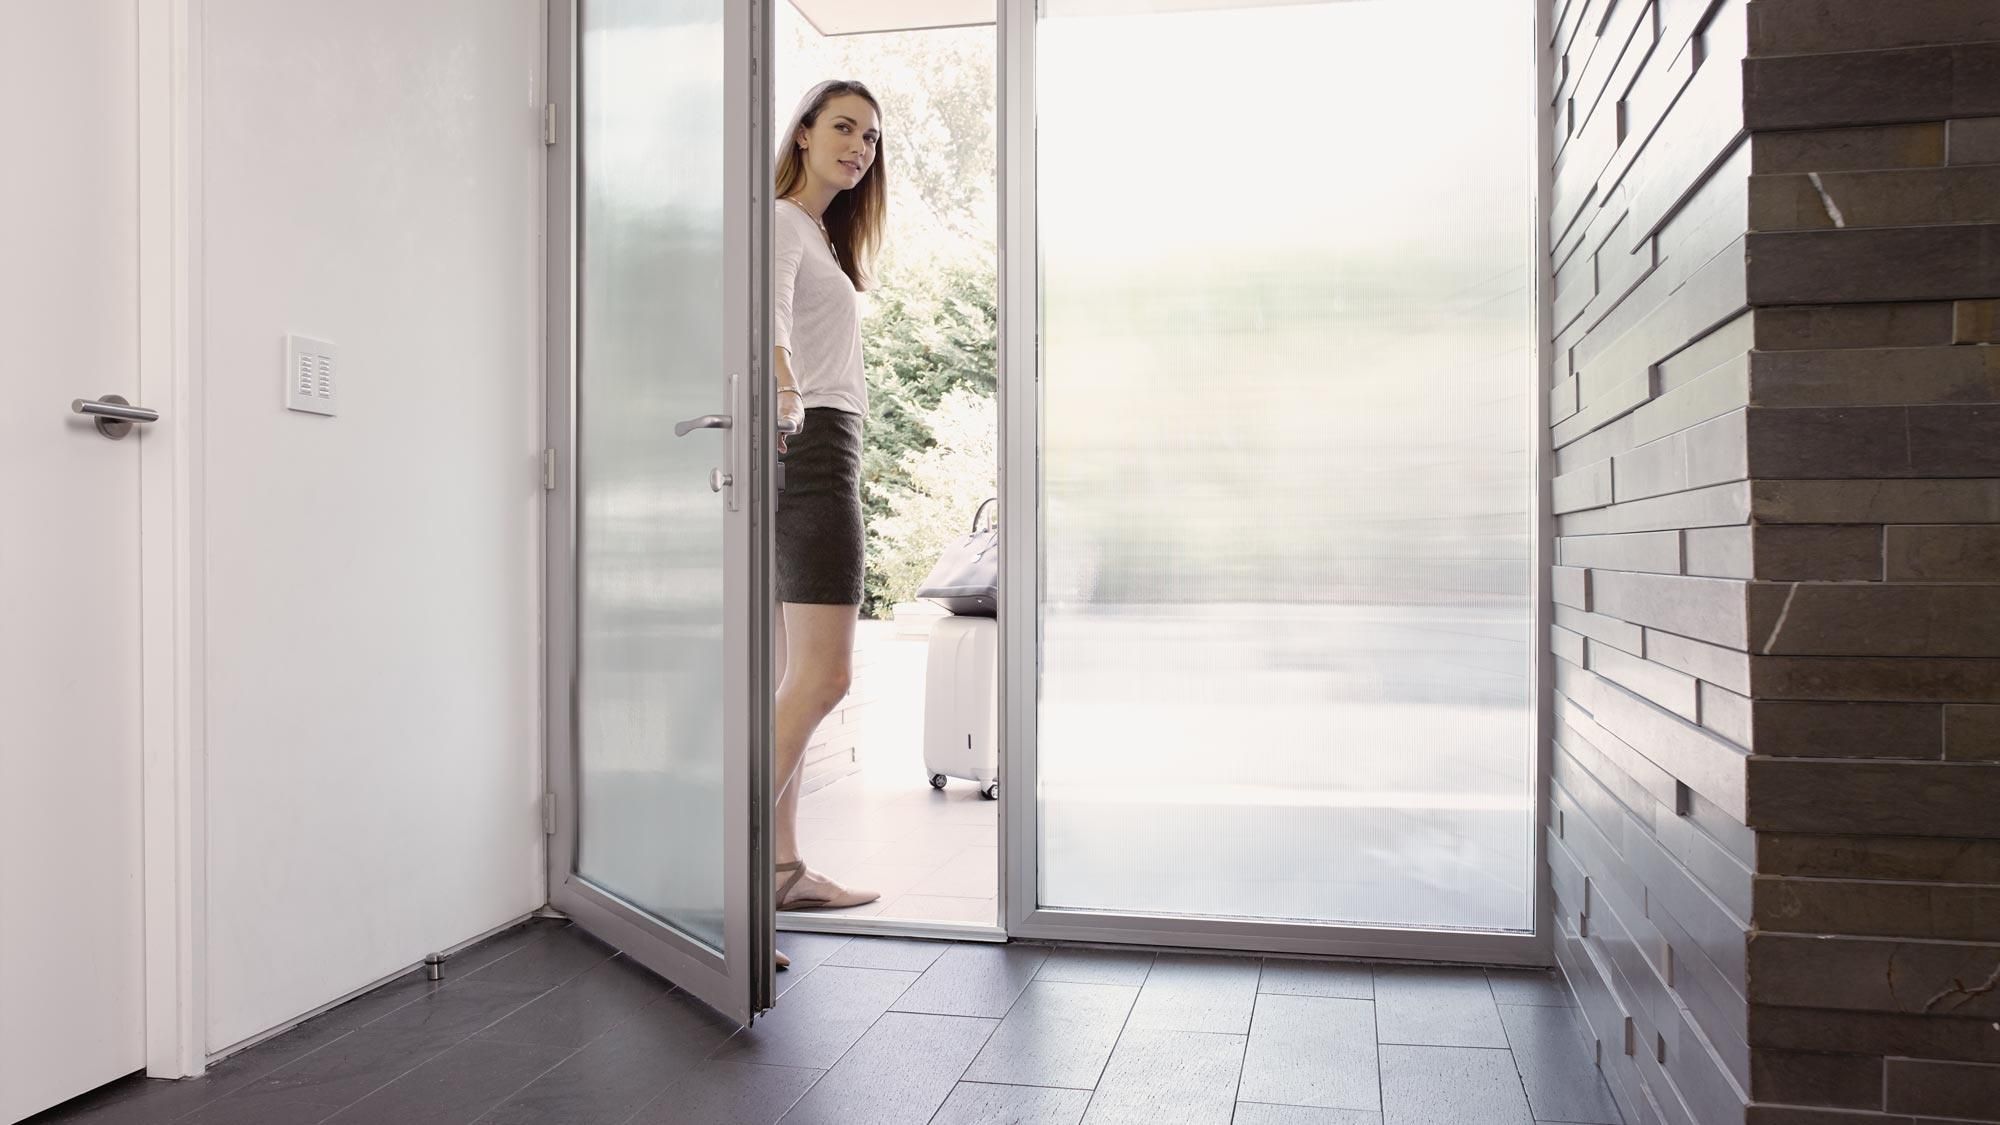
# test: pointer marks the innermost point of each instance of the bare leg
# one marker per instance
(815, 650)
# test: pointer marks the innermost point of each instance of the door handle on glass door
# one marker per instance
(705, 422)
(114, 415)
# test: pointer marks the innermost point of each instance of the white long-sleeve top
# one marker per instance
(816, 314)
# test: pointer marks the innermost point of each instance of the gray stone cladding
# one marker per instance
(1774, 832)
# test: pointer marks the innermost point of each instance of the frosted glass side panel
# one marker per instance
(1286, 255)
(650, 244)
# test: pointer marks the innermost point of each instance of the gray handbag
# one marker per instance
(966, 579)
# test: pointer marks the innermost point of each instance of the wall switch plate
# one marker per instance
(309, 375)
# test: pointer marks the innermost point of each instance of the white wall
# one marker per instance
(371, 175)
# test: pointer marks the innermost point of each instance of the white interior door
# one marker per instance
(659, 661)
(71, 938)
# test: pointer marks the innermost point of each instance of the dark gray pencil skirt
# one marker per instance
(819, 533)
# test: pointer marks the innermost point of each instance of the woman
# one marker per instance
(831, 203)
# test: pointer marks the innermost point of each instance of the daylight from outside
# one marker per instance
(1286, 479)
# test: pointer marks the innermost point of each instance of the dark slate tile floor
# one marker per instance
(543, 1025)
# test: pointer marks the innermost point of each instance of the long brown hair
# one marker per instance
(857, 216)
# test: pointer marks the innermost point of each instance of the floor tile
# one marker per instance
(906, 955)
(1253, 1113)
(1285, 977)
(385, 998)
(456, 1087)
(450, 1014)
(620, 1071)
(1096, 966)
(807, 951)
(1168, 1078)
(146, 1101)
(1312, 1051)
(1553, 1057)
(899, 1073)
(980, 1103)
(1057, 1035)
(819, 1019)
(564, 954)
(974, 980)
(347, 1069)
(229, 1111)
(473, 958)
(729, 1093)
(1436, 1007)
(1451, 1086)
(1529, 986)
(1186, 992)
(583, 1009)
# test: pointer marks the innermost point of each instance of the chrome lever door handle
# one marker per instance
(705, 422)
(115, 416)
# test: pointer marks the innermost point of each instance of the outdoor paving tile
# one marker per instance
(1057, 1035)
(819, 1019)
(1096, 966)
(1169, 1078)
(1186, 992)
(1285, 977)
(729, 1093)
(1436, 1007)
(1312, 1051)
(972, 873)
(899, 1073)
(937, 908)
(974, 980)
(1562, 1082)
(1451, 1086)
(456, 1087)
(981, 1103)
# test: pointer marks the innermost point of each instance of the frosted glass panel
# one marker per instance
(1286, 475)
(650, 339)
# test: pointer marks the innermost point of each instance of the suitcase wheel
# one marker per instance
(937, 781)
(991, 792)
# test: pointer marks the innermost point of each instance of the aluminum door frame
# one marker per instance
(738, 987)
(1021, 418)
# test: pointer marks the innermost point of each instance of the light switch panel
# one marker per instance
(309, 375)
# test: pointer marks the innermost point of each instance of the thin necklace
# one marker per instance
(818, 222)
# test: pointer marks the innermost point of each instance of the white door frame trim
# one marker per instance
(172, 666)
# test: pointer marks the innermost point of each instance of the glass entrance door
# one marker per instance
(659, 697)
(1274, 644)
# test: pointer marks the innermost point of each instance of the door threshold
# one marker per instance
(799, 922)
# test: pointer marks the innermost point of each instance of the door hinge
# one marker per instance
(548, 814)
(548, 470)
(549, 123)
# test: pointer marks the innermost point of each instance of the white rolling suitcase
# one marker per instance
(962, 704)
